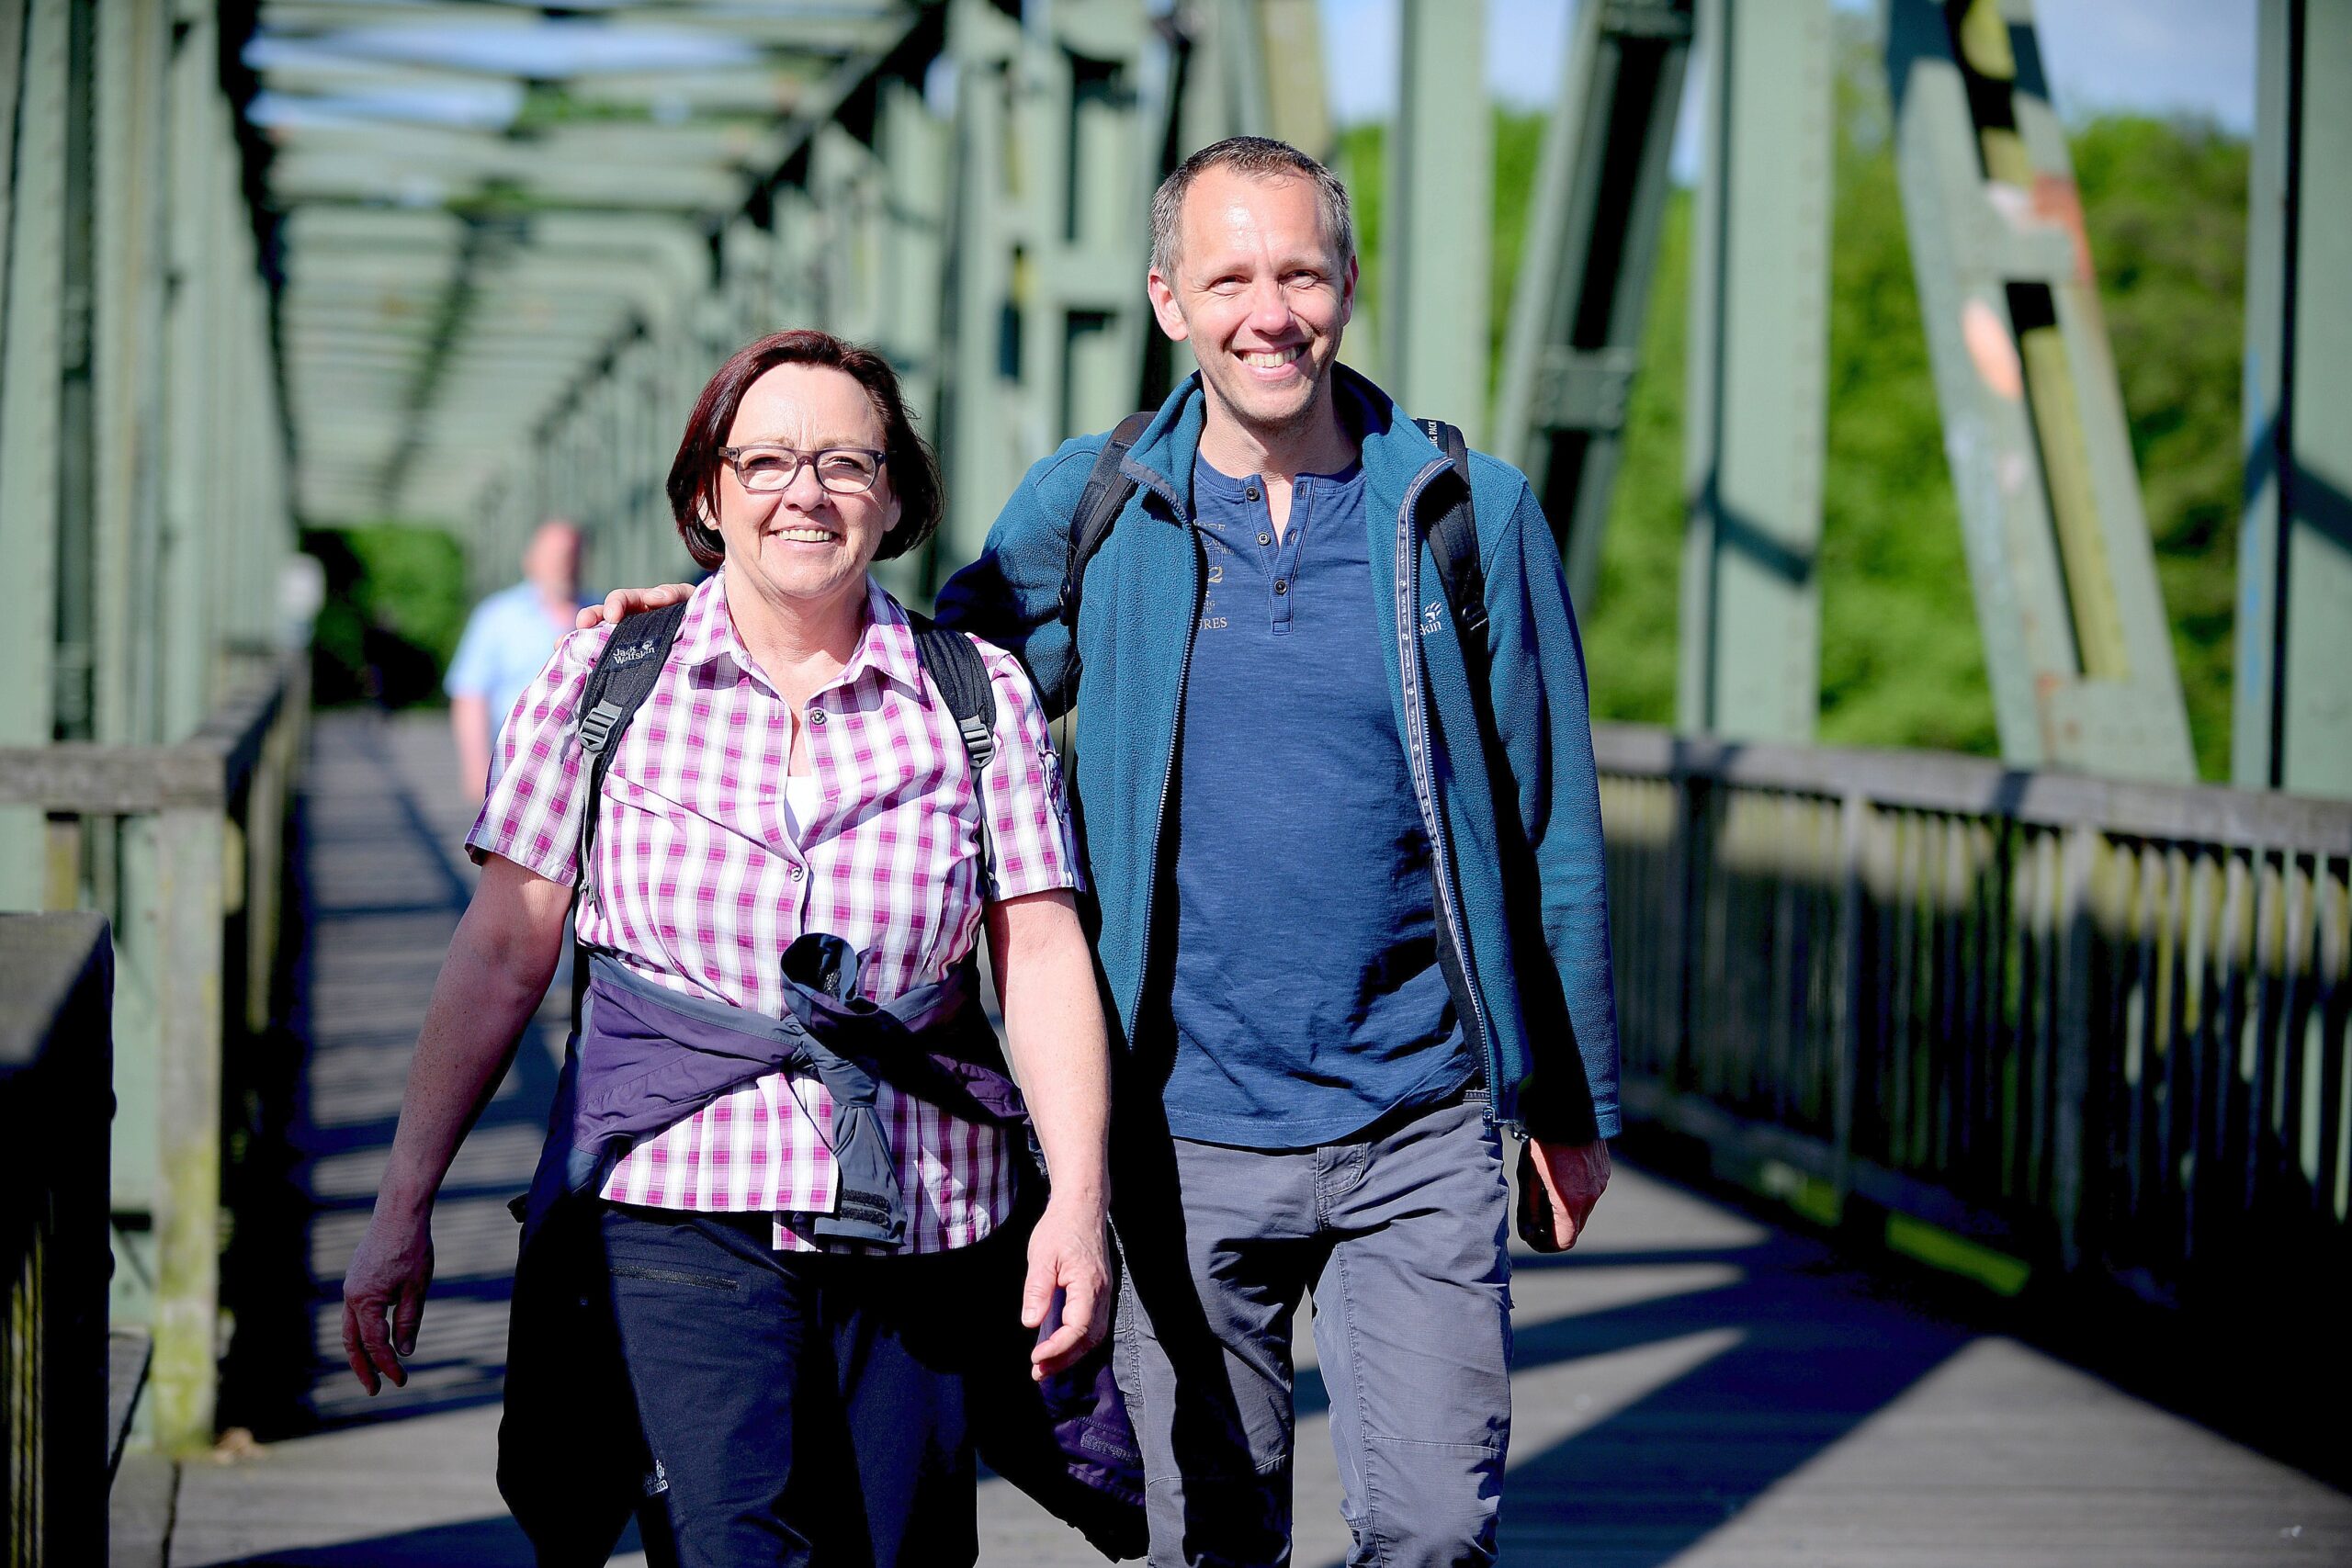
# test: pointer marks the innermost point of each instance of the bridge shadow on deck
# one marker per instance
(381, 880)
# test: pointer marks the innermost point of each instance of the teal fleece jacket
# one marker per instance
(1520, 878)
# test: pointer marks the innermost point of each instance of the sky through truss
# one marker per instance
(2165, 57)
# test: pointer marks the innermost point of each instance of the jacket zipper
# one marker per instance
(1408, 653)
(1167, 778)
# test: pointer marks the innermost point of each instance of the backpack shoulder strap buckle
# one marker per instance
(596, 729)
(980, 740)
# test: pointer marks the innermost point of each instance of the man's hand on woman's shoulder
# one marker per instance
(622, 602)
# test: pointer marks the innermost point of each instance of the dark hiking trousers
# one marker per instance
(799, 1408)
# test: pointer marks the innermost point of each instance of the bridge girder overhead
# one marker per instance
(959, 181)
(525, 154)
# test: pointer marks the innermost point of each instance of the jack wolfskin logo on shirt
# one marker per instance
(1432, 616)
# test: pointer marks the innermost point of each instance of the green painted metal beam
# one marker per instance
(132, 125)
(31, 362)
(2075, 638)
(1223, 89)
(1437, 252)
(2292, 723)
(1228, 68)
(1749, 653)
(15, 16)
(1582, 295)
(980, 444)
(74, 653)
(1047, 310)
(195, 329)
(913, 145)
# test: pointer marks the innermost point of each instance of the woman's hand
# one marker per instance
(1053, 1035)
(500, 962)
(625, 602)
(383, 1296)
(1069, 1253)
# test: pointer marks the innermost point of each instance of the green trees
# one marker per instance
(396, 602)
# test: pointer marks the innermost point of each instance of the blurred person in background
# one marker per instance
(762, 1275)
(507, 644)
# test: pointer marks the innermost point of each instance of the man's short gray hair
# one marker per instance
(1259, 157)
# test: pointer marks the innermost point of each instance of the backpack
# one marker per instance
(1453, 540)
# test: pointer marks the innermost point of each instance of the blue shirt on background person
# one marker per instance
(507, 641)
(1305, 997)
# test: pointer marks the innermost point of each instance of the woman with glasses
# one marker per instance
(791, 844)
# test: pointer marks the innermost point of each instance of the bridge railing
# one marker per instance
(56, 990)
(2100, 1026)
(181, 846)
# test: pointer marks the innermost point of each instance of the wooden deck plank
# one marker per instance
(1695, 1388)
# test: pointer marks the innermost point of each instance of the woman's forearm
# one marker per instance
(1054, 1039)
(499, 964)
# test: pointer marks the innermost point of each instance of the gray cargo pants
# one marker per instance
(1400, 1234)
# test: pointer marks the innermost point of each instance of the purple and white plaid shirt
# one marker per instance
(702, 883)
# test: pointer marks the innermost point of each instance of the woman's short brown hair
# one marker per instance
(912, 470)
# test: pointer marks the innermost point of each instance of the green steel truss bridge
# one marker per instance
(2067, 1025)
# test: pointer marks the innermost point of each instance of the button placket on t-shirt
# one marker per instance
(1284, 585)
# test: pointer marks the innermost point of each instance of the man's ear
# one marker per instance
(1163, 307)
(1348, 293)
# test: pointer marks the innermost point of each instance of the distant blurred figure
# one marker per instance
(508, 640)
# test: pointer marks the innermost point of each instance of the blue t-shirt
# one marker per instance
(1306, 994)
(508, 640)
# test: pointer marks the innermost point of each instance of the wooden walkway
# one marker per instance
(1696, 1388)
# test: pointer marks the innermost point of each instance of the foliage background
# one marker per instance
(1902, 662)
(395, 604)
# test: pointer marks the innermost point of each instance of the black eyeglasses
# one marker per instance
(844, 470)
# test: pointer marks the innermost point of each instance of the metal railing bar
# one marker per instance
(90, 778)
(1972, 785)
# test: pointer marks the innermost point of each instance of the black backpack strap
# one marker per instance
(1454, 540)
(617, 687)
(1106, 492)
(955, 667)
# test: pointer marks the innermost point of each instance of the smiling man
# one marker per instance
(1290, 817)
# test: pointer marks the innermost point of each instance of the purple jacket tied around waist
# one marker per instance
(648, 1056)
